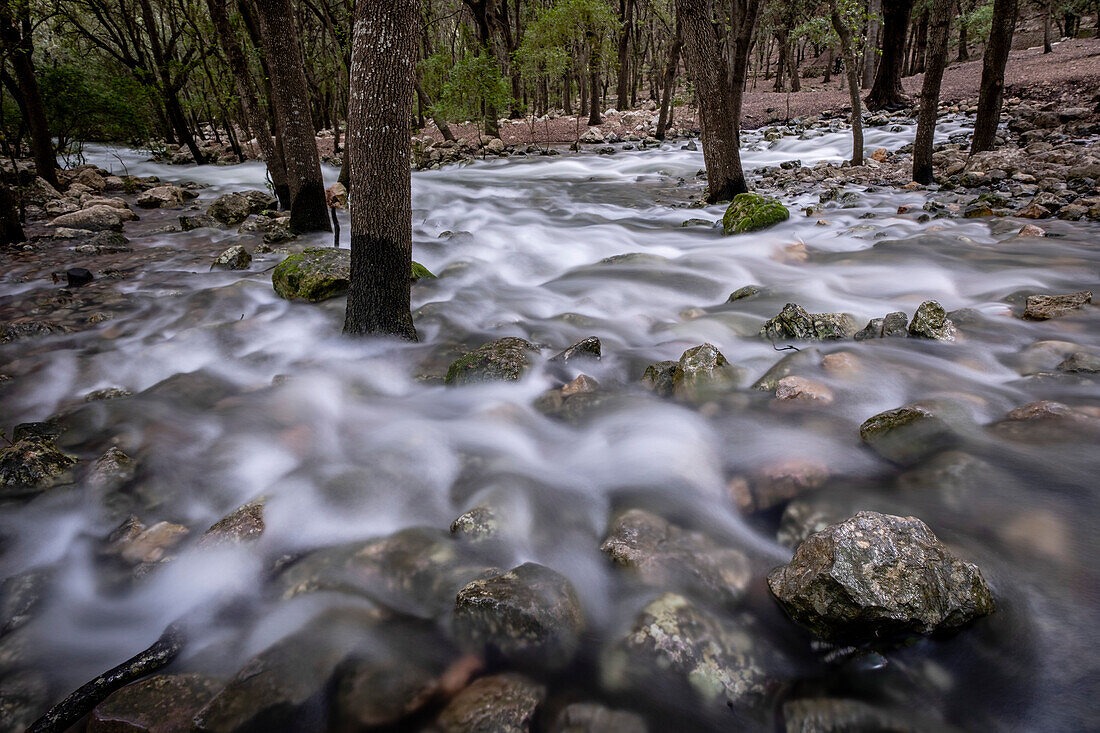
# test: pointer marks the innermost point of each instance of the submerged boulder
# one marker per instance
(702, 372)
(794, 322)
(503, 703)
(749, 212)
(529, 614)
(163, 702)
(590, 717)
(907, 434)
(314, 274)
(878, 575)
(31, 465)
(506, 359)
(931, 322)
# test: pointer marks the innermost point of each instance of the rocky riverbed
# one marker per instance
(830, 469)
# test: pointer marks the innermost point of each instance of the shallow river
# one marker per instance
(353, 445)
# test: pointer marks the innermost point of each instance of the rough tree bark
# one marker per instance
(622, 90)
(250, 103)
(308, 212)
(887, 90)
(1047, 47)
(939, 22)
(851, 70)
(17, 43)
(739, 45)
(383, 77)
(11, 231)
(874, 42)
(664, 118)
(706, 65)
(993, 75)
(964, 50)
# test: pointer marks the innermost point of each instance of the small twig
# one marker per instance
(788, 347)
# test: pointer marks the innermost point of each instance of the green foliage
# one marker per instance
(571, 35)
(978, 21)
(94, 104)
(473, 87)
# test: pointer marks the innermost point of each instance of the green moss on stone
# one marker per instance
(749, 212)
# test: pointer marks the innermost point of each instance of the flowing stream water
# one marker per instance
(357, 444)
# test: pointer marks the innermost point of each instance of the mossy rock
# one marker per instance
(750, 212)
(506, 359)
(320, 273)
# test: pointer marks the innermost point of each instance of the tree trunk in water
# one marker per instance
(874, 41)
(19, 49)
(940, 28)
(383, 73)
(438, 121)
(622, 91)
(664, 119)
(993, 75)
(707, 68)
(11, 231)
(887, 90)
(851, 71)
(253, 114)
(1047, 48)
(308, 211)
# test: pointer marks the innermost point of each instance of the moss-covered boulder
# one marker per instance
(503, 360)
(931, 322)
(320, 273)
(703, 372)
(31, 465)
(794, 322)
(908, 434)
(750, 212)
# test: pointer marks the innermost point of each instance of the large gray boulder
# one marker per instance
(877, 575)
(164, 197)
(94, 219)
(506, 359)
(233, 208)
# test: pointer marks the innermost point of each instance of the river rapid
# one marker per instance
(348, 440)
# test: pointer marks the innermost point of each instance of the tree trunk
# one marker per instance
(18, 46)
(744, 15)
(920, 45)
(993, 75)
(851, 71)
(11, 231)
(253, 113)
(664, 119)
(707, 68)
(308, 211)
(792, 70)
(622, 91)
(1047, 48)
(594, 117)
(887, 90)
(874, 41)
(438, 121)
(383, 73)
(964, 52)
(940, 28)
(783, 60)
(567, 94)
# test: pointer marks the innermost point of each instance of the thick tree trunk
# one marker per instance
(993, 75)
(707, 68)
(308, 212)
(939, 29)
(851, 70)
(383, 73)
(664, 119)
(11, 231)
(622, 90)
(594, 117)
(18, 47)
(887, 90)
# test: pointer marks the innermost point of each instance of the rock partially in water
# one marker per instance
(107, 393)
(833, 715)
(575, 401)
(1048, 422)
(152, 543)
(892, 326)
(675, 643)
(590, 717)
(503, 703)
(529, 614)
(506, 359)
(744, 293)
(233, 208)
(244, 524)
(658, 377)
(163, 703)
(372, 695)
(234, 258)
(19, 597)
(796, 360)
(1044, 307)
(803, 390)
(164, 197)
(794, 322)
(663, 555)
(586, 350)
(24, 696)
(32, 465)
(94, 219)
(931, 322)
(315, 274)
(112, 471)
(703, 372)
(879, 576)
(907, 434)
(750, 212)
(1080, 362)
(476, 525)
(774, 483)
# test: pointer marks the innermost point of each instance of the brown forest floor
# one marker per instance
(1071, 74)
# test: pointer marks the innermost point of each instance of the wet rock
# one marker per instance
(164, 197)
(1034, 211)
(674, 642)
(529, 614)
(336, 196)
(504, 703)
(506, 359)
(233, 208)
(793, 322)
(750, 212)
(189, 223)
(830, 715)
(879, 576)
(1048, 422)
(476, 525)
(892, 326)
(1043, 307)
(658, 377)
(703, 372)
(590, 717)
(78, 277)
(931, 322)
(586, 350)
(804, 359)
(112, 471)
(32, 465)
(907, 434)
(163, 703)
(419, 272)
(663, 555)
(107, 393)
(24, 697)
(242, 525)
(376, 694)
(1080, 362)
(801, 389)
(151, 544)
(94, 219)
(776, 483)
(1029, 231)
(19, 597)
(573, 402)
(314, 274)
(108, 242)
(744, 293)
(234, 258)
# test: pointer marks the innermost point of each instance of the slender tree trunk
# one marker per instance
(993, 75)
(783, 60)
(874, 42)
(567, 94)
(438, 121)
(887, 90)
(940, 28)
(594, 117)
(11, 231)
(665, 116)
(707, 68)
(851, 71)
(383, 77)
(622, 91)
(19, 48)
(744, 16)
(1047, 48)
(964, 50)
(308, 211)
(792, 69)
(920, 45)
